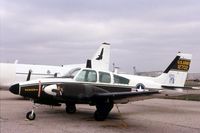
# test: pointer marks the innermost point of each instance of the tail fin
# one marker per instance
(176, 73)
(101, 58)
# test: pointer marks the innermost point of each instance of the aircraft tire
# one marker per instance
(70, 109)
(100, 116)
(102, 111)
(30, 116)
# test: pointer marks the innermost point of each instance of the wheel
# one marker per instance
(102, 111)
(100, 116)
(70, 109)
(30, 115)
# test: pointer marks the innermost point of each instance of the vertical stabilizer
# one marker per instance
(176, 73)
(101, 58)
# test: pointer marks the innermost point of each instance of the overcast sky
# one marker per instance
(142, 33)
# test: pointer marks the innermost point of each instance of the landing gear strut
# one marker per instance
(102, 111)
(31, 114)
(70, 108)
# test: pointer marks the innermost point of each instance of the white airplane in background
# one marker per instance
(14, 73)
(173, 77)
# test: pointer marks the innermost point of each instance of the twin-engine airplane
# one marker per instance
(99, 88)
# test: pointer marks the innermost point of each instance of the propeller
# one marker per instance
(29, 75)
(55, 75)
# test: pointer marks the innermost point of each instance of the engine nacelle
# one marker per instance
(51, 90)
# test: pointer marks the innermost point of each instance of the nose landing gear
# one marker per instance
(31, 115)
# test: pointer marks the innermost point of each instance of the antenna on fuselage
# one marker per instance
(134, 70)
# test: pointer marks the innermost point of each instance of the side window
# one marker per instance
(92, 76)
(104, 77)
(120, 80)
(87, 76)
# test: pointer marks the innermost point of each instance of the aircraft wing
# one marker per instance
(122, 95)
(92, 93)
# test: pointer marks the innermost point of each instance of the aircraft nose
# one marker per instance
(14, 89)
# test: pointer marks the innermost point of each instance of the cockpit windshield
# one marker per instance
(72, 73)
(87, 76)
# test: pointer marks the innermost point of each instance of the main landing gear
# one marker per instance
(102, 111)
(70, 108)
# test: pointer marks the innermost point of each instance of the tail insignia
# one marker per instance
(100, 57)
(171, 79)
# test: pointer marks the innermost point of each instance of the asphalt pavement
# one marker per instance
(152, 116)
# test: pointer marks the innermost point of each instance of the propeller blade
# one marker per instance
(29, 75)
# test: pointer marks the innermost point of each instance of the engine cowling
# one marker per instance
(51, 90)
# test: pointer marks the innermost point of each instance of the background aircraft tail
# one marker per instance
(101, 58)
(176, 73)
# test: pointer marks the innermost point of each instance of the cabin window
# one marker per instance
(120, 80)
(87, 76)
(104, 77)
